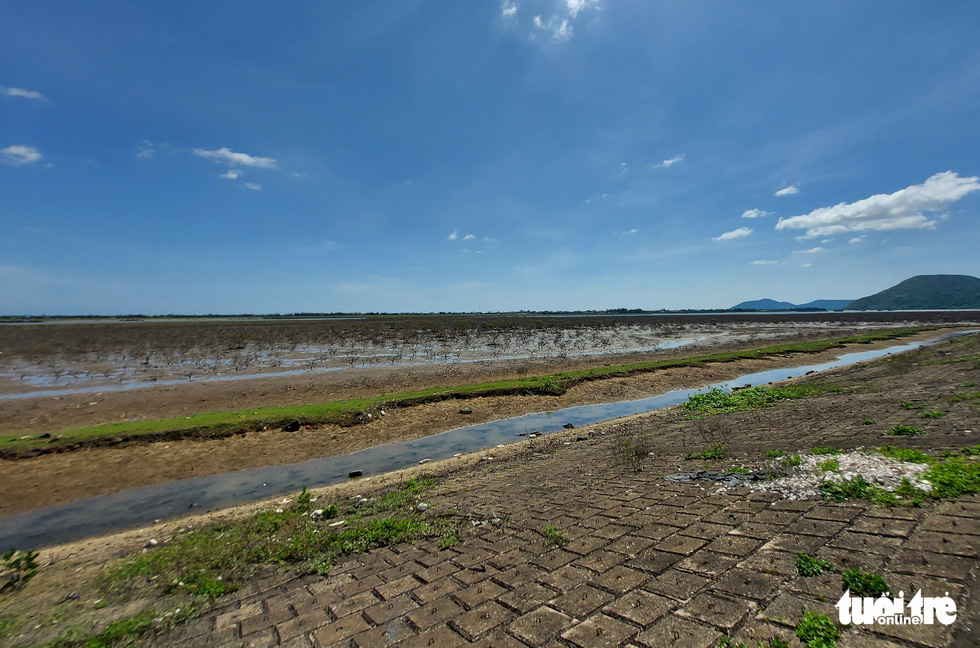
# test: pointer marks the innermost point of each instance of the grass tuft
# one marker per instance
(807, 565)
(863, 583)
(905, 430)
(817, 631)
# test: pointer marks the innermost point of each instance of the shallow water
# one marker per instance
(141, 506)
(60, 386)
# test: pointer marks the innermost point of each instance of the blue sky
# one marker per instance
(227, 157)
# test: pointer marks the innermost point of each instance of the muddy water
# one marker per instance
(139, 506)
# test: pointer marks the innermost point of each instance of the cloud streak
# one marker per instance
(666, 164)
(19, 155)
(21, 93)
(904, 209)
(227, 156)
(787, 191)
(755, 213)
(741, 232)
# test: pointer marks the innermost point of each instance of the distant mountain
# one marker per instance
(827, 304)
(771, 304)
(924, 292)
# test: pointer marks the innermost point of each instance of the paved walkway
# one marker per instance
(647, 562)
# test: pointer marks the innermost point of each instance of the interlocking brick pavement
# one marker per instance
(647, 563)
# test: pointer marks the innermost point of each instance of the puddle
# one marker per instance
(141, 506)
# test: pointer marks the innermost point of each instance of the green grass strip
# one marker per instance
(354, 411)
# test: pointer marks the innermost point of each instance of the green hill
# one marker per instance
(925, 292)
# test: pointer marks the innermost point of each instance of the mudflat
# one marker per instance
(579, 538)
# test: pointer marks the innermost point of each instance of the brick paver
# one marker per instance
(646, 563)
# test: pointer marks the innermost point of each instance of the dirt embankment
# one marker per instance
(60, 478)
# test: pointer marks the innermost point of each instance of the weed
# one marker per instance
(830, 465)
(716, 401)
(867, 421)
(773, 642)
(448, 539)
(817, 631)
(953, 477)
(554, 535)
(218, 557)
(20, 567)
(126, 631)
(792, 461)
(725, 642)
(633, 448)
(905, 430)
(911, 406)
(716, 451)
(969, 384)
(738, 470)
(827, 450)
(807, 565)
(857, 488)
(932, 414)
(304, 499)
(958, 398)
(773, 454)
(906, 454)
(6, 623)
(863, 584)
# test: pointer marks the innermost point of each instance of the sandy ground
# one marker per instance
(48, 480)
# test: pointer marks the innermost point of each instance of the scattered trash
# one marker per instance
(465, 410)
(731, 480)
(355, 473)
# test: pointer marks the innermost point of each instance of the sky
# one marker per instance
(409, 155)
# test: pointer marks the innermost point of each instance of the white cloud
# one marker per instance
(805, 265)
(787, 191)
(509, 9)
(666, 164)
(761, 262)
(18, 155)
(253, 186)
(576, 6)
(560, 24)
(468, 237)
(20, 92)
(231, 174)
(900, 210)
(453, 236)
(231, 158)
(328, 245)
(810, 251)
(755, 213)
(741, 232)
(857, 239)
(563, 32)
(145, 149)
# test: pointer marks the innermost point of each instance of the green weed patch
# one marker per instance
(219, 557)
